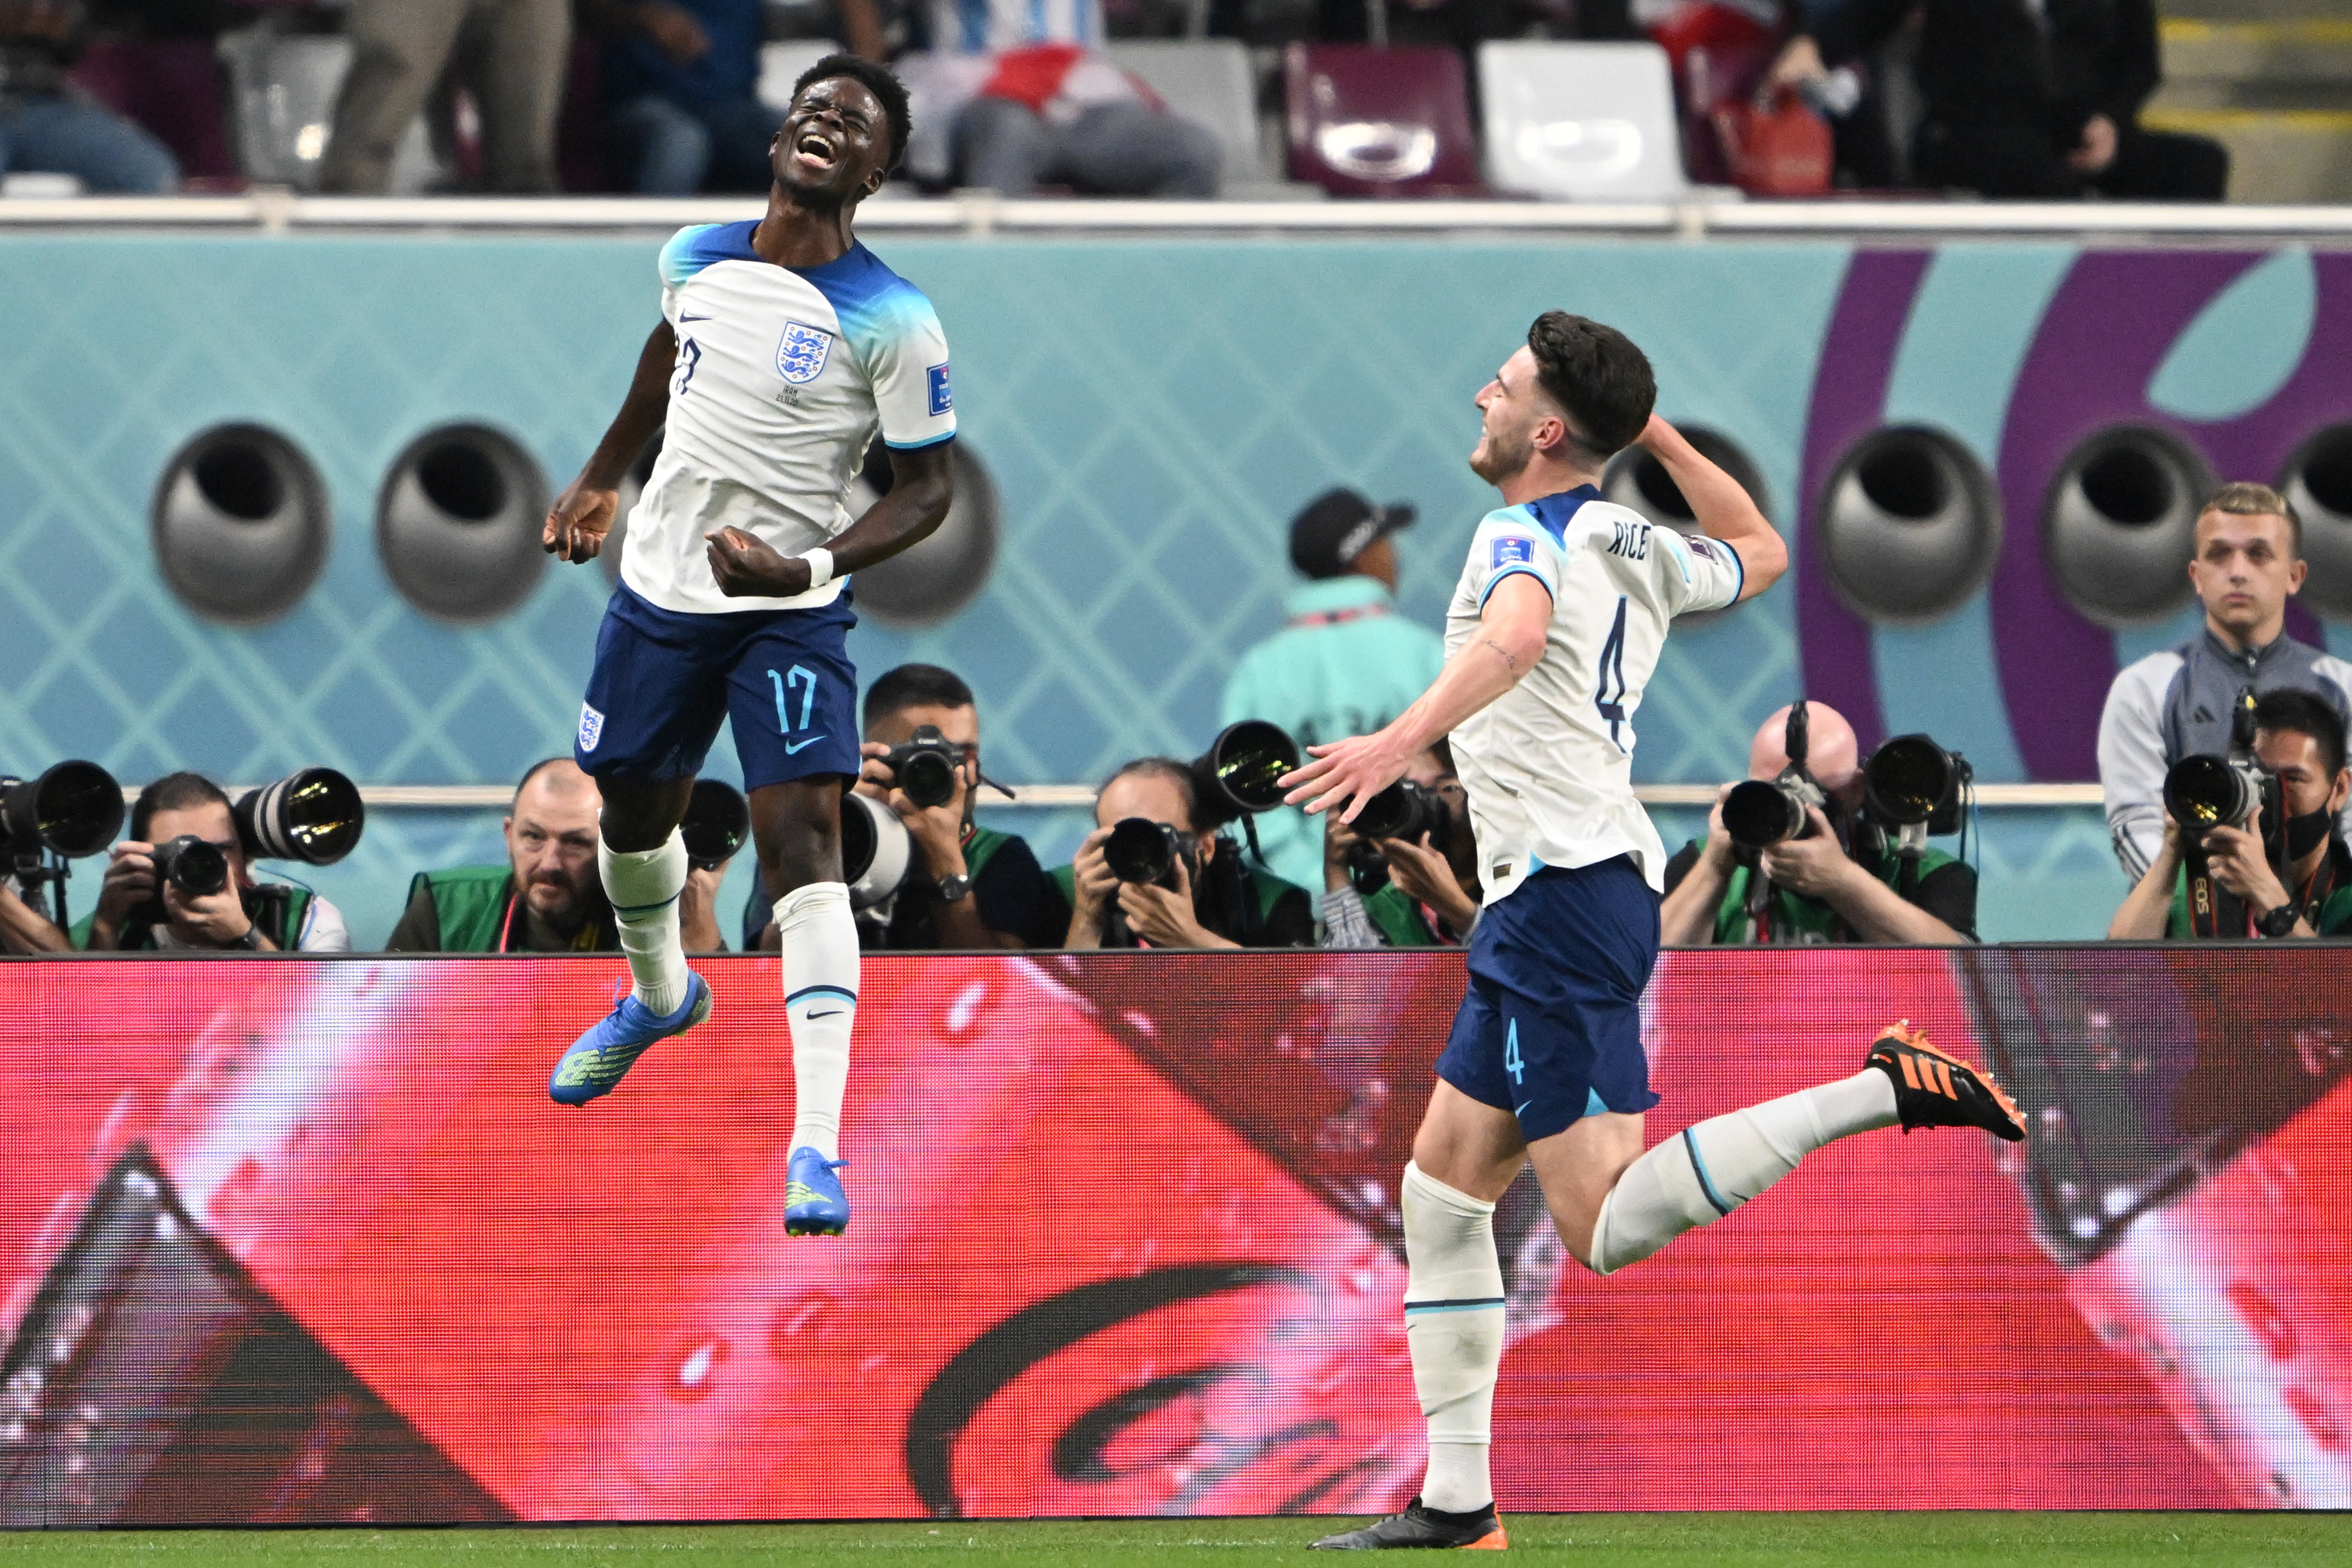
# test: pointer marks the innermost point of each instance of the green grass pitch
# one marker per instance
(1588, 1541)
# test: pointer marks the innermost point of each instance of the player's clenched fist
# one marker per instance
(743, 564)
(578, 522)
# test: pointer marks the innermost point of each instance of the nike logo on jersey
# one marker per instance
(687, 318)
(793, 747)
(1522, 1111)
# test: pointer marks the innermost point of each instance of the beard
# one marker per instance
(1501, 454)
(561, 905)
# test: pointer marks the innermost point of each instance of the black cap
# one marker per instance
(1338, 526)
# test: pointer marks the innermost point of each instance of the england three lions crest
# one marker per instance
(800, 354)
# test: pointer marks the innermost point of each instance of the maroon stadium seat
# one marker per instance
(1368, 121)
(173, 87)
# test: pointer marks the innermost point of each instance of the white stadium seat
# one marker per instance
(780, 65)
(1580, 121)
(282, 91)
(1208, 81)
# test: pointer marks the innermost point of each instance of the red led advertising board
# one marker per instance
(298, 1241)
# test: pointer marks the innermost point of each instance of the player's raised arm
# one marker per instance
(583, 515)
(1510, 639)
(1723, 509)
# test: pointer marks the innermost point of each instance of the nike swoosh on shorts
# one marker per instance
(793, 747)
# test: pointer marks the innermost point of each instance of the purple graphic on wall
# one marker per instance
(2100, 341)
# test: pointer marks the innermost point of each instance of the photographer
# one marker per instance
(1430, 895)
(1206, 896)
(183, 819)
(548, 897)
(23, 928)
(967, 887)
(1837, 882)
(2299, 737)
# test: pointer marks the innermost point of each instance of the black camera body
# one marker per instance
(1406, 810)
(194, 865)
(925, 766)
(1143, 851)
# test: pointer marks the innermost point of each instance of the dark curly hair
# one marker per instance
(1597, 377)
(888, 91)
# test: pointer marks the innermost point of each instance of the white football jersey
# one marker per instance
(1548, 766)
(781, 381)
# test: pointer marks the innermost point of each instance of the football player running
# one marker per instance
(1554, 629)
(784, 345)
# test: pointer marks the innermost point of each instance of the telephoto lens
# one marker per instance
(1759, 815)
(1246, 763)
(2209, 791)
(875, 850)
(73, 809)
(314, 816)
(1406, 810)
(1141, 851)
(717, 819)
(1911, 780)
(925, 767)
(191, 865)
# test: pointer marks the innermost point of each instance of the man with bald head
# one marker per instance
(1837, 883)
(548, 897)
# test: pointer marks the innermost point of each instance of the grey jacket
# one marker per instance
(2174, 705)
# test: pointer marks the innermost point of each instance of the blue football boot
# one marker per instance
(814, 1202)
(596, 1060)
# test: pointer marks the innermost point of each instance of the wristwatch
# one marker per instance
(954, 888)
(2279, 922)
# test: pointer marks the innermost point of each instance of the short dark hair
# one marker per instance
(914, 686)
(1597, 377)
(173, 792)
(2244, 499)
(886, 89)
(1181, 775)
(2306, 713)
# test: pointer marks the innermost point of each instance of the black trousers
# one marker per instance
(2017, 159)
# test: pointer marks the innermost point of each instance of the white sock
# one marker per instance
(1454, 1332)
(821, 1000)
(643, 886)
(1704, 1172)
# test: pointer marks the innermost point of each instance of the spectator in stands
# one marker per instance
(134, 916)
(1345, 664)
(1432, 896)
(681, 80)
(552, 837)
(1838, 883)
(2248, 563)
(2034, 99)
(967, 886)
(1013, 96)
(1211, 898)
(514, 55)
(47, 126)
(2300, 736)
(23, 928)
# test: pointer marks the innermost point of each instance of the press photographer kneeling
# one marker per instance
(1406, 873)
(1157, 872)
(181, 881)
(2251, 846)
(1816, 848)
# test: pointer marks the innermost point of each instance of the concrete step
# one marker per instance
(2309, 52)
(2274, 156)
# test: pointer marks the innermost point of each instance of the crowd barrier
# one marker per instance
(308, 1243)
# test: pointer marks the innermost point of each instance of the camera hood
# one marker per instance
(1911, 781)
(314, 815)
(874, 851)
(2205, 790)
(717, 819)
(73, 809)
(1242, 770)
(1757, 814)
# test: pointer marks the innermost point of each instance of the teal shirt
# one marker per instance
(1326, 681)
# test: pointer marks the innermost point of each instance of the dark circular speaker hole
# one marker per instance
(1659, 489)
(2127, 486)
(463, 481)
(2327, 474)
(1905, 480)
(241, 480)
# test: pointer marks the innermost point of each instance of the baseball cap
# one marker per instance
(1338, 526)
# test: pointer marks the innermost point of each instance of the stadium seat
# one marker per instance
(1369, 122)
(283, 89)
(1580, 121)
(172, 87)
(1206, 81)
(780, 65)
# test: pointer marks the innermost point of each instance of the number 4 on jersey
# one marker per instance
(1613, 667)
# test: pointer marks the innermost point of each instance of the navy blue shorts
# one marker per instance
(664, 681)
(1551, 1028)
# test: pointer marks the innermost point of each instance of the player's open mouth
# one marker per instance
(815, 149)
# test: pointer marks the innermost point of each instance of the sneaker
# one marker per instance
(1934, 1089)
(596, 1060)
(814, 1202)
(1423, 1527)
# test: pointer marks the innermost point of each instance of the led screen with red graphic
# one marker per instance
(298, 1241)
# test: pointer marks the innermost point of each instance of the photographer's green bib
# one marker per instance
(283, 931)
(1791, 918)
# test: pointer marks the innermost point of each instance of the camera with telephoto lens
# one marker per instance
(717, 821)
(1911, 783)
(925, 767)
(1141, 851)
(1404, 810)
(876, 851)
(1757, 814)
(314, 815)
(194, 865)
(2208, 791)
(1241, 773)
(72, 810)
